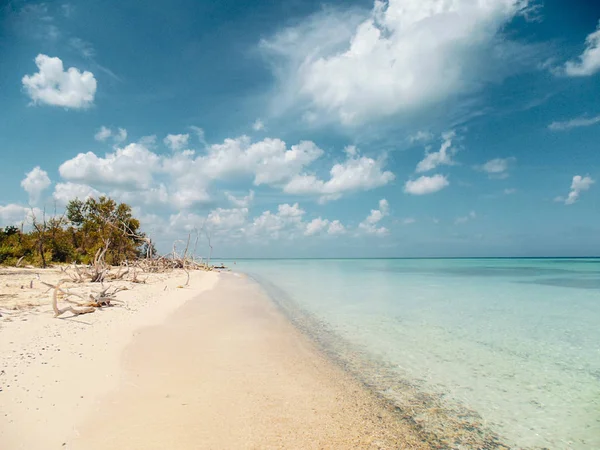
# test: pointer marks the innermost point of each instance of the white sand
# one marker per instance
(215, 366)
(52, 371)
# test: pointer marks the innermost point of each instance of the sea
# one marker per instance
(475, 353)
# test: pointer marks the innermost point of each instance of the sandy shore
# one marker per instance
(217, 367)
(53, 370)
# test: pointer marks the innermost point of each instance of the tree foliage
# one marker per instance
(77, 235)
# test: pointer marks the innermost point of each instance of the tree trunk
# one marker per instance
(41, 250)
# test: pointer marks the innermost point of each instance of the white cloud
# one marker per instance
(442, 157)
(319, 225)
(269, 160)
(408, 221)
(497, 168)
(65, 192)
(176, 141)
(129, 166)
(121, 136)
(243, 202)
(405, 54)
(187, 174)
(53, 86)
(369, 225)
(510, 191)
(34, 183)
(588, 62)
(286, 223)
(13, 214)
(336, 228)
(460, 220)
(182, 179)
(316, 226)
(426, 185)
(574, 123)
(154, 195)
(420, 136)
(200, 134)
(356, 173)
(227, 222)
(578, 185)
(103, 134)
(148, 141)
(258, 125)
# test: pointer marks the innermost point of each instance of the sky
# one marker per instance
(399, 128)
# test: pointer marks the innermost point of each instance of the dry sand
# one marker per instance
(225, 370)
(53, 370)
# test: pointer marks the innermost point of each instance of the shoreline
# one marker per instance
(228, 370)
(437, 422)
(101, 386)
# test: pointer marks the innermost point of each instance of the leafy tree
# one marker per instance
(85, 228)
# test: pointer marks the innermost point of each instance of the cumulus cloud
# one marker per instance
(13, 214)
(176, 141)
(356, 173)
(129, 166)
(65, 192)
(103, 134)
(227, 221)
(402, 55)
(574, 123)
(497, 168)
(426, 185)
(408, 221)
(578, 185)
(320, 225)
(369, 225)
(336, 228)
(182, 179)
(285, 223)
(588, 63)
(35, 182)
(316, 226)
(135, 167)
(464, 219)
(269, 161)
(243, 202)
(121, 135)
(52, 85)
(258, 125)
(441, 157)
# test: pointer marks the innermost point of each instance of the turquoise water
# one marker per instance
(516, 340)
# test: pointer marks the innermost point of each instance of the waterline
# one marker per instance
(514, 341)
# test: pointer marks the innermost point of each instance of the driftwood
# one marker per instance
(85, 306)
(57, 312)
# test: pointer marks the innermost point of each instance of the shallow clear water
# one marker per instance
(517, 340)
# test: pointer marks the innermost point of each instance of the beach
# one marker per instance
(211, 365)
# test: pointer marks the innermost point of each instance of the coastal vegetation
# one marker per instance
(85, 229)
(93, 242)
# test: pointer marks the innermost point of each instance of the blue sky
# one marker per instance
(302, 129)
